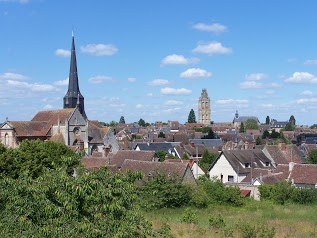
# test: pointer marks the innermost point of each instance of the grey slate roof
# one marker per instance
(216, 143)
(238, 159)
(165, 146)
(245, 118)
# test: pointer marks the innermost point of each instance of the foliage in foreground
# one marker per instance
(57, 205)
(283, 192)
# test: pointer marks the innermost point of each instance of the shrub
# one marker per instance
(199, 198)
(216, 221)
(165, 231)
(190, 216)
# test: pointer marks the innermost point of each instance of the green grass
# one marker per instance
(289, 220)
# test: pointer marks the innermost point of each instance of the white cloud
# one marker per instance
(212, 48)
(100, 79)
(16, 1)
(256, 76)
(273, 85)
(214, 28)
(310, 62)
(306, 100)
(175, 91)
(195, 73)
(159, 82)
(251, 85)
(149, 95)
(13, 76)
(47, 107)
(131, 80)
(172, 109)
(62, 53)
(178, 59)
(33, 87)
(139, 106)
(99, 49)
(173, 102)
(268, 105)
(232, 101)
(306, 93)
(302, 78)
(270, 92)
(62, 82)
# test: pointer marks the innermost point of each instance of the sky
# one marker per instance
(151, 59)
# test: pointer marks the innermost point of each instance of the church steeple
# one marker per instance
(73, 96)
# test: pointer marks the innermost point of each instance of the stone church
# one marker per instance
(69, 125)
(204, 108)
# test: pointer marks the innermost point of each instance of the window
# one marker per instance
(267, 163)
(6, 139)
(247, 165)
(230, 178)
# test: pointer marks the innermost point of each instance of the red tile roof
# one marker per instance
(30, 128)
(304, 174)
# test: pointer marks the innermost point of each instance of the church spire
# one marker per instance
(73, 96)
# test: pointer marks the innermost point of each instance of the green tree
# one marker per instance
(312, 157)
(122, 120)
(33, 157)
(266, 134)
(267, 120)
(161, 135)
(113, 123)
(210, 135)
(191, 117)
(141, 122)
(258, 141)
(207, 159)
(97, 204)
(251, 124)
(161, 154)
(289, 127)
(314, 126)
(274, 134)
(242, 129)
(292, 120)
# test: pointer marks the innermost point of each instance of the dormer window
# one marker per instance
(247, 165)
(267, 164)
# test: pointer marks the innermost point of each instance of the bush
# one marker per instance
(164, 192)
(216, 221)
(199, 198)
(190, 216)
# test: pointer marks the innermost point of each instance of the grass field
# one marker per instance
(288, 220)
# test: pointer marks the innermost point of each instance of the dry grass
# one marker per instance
(296, 221)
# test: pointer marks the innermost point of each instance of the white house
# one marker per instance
(234, 165)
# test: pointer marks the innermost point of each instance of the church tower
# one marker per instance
(204, 108)
(73, 97)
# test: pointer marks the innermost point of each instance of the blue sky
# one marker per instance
(151, 59)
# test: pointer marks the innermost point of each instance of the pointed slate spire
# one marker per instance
(73, 96)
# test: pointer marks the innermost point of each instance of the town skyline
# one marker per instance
(151, 60)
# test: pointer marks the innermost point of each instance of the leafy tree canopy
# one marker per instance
(292, 120)
(267, 120)
(312, 157)
(207, 159)
(242, 128)
(210, 135)
(289, 127)
(122, 120)
(191, 117)
(251, 124)
(34, 157)
(141, 122)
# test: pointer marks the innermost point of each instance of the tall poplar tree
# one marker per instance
(191, 117)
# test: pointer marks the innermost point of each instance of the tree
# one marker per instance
(122, 121)
(266, 134)
(314, 126)
(292, 120)
(96, 204)
(267, 120)
(191, 117)
(312, 157)
(113, 123)
(251, 124)
(141, 122)
(258, 141)
(289, 127)
(207, 159)
(161, 135)
(242, 129)
(210, 135)
(161, 154)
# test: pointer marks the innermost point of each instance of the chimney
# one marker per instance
(291, 166)
(282, 146)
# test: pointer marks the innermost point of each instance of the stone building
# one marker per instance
(204, 108)
(69, 125)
